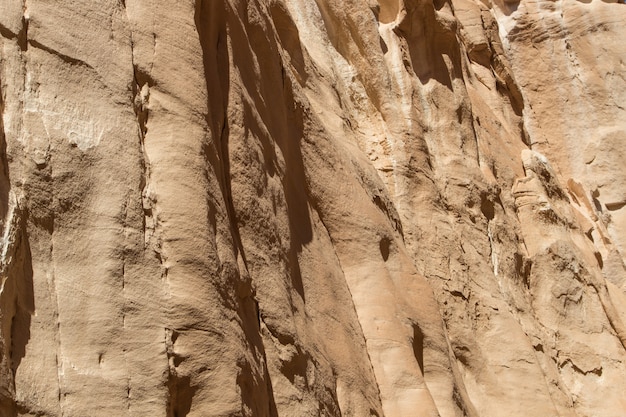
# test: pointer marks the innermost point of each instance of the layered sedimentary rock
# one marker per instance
(312, 208)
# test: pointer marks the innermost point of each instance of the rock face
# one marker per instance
(312, 208)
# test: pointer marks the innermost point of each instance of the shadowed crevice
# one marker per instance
(432, 39)
(418, 346)
(179, 388)
(214, 21)
(65, 58)
(280, 123)
(22, 272)
(21, 36)
(287, 31)
(17, 302)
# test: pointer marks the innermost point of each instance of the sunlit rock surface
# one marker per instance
(312, 208)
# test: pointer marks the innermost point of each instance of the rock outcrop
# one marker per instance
(312, 208)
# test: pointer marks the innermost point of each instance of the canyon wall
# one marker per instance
(312, 208)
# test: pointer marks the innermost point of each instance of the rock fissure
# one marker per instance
(65, 58)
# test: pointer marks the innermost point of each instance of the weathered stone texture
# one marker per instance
(312, 208)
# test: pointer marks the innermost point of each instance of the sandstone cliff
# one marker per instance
(312, 208)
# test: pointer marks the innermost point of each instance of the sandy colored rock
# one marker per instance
(312, 208)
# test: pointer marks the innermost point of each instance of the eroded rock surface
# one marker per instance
(312, 208)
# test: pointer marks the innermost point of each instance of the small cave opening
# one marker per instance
(599, 259)
(487, 208)
(418, 346)
(384, 246)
